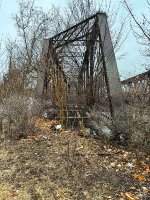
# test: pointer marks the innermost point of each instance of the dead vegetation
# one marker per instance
(62, 165)
(137, 106)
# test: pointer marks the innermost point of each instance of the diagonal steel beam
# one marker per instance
(76, 25)
(113, 83)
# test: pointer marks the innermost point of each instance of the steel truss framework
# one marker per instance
(83, 54)
(139, 86)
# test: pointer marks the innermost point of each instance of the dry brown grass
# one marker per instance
(66, 166)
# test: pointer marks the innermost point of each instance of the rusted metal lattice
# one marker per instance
(137, 88)
(79, 63)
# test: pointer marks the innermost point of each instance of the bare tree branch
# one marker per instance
(146, 34)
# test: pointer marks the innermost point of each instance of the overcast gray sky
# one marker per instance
(130, 65)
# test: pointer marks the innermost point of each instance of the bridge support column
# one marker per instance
(113, 83)
(42, 71)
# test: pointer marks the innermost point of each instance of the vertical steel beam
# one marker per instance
(113, 83)
(42, 70)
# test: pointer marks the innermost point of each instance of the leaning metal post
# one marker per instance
(113, 83)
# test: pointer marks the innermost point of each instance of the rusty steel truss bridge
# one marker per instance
(78, 66)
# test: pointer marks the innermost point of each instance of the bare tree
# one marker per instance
(30, 24)
(140, 28)
(23, 53)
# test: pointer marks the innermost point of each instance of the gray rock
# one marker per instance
(107, 132)
(50, 114)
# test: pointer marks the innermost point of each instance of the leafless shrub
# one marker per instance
(138, 111)
(16, 116)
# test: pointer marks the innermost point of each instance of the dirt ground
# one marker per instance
(62, 165)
